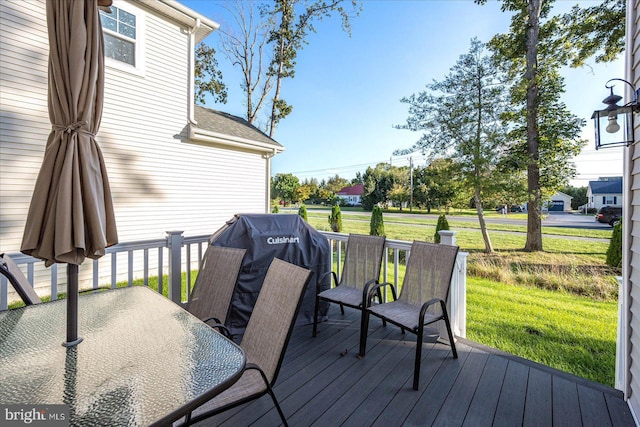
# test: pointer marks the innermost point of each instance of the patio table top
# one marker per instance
(143, 359)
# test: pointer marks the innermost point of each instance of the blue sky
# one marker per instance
(346, 92)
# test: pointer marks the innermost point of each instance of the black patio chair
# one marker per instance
(14, 275)
(213, 290)
(422, 298)
(361, 269)
(265, 339)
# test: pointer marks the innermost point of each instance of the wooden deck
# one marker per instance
(323, 383)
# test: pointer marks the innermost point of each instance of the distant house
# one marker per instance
(560, 202)
(171, 165)
(352, 195)
(605, 191)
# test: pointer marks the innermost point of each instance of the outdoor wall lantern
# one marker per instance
(616, 120)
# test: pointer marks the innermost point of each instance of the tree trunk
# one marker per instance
(488, 247)
(534, 222)
(274, 106)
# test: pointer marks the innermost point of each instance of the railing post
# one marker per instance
(174, 244)
(447, 237)
(457, 303)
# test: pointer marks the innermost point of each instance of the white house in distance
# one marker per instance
(560, 202)
(352, 194)
(171, 165)
(606, 191)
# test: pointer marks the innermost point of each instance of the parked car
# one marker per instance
(609, 215)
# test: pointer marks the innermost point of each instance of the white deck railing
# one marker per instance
(126, 262)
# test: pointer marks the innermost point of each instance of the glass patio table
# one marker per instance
(143, 359)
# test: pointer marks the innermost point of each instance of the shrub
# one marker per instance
(335, 219)
(302, 211)
(377, 223)
(442, 225)
(275, 209)
(614, 253)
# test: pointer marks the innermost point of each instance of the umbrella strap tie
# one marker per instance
(73, 128)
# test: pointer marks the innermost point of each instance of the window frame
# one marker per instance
(138, 43)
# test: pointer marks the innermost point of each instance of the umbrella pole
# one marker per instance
(72, 306)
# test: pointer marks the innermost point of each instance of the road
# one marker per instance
(553, 219)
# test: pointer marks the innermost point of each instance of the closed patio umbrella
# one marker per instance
(71, 213)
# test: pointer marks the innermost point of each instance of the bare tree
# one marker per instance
(248, 49)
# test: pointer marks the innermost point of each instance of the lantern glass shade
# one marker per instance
(613, 127)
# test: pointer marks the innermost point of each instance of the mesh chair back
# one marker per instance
(362, 260)
(216, 280)
(12, 272)
(428, 273)
(271, 322)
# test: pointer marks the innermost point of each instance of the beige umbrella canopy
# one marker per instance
(71, 214)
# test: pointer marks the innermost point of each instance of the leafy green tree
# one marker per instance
(399, 194)
(336, 183)
(303, 192)
(208, 77)
(335, 219)
(376, 227)
(597, 30)
(302, 211)
(285, 186)
(293, 23)
(548, 134)
(442, 224)
(445, 182)
(614, 252)
(461, 117)
(377, 184)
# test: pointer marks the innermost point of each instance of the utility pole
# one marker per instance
(410, 184)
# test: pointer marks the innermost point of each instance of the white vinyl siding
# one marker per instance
(631, 268)
(159, 180)
(24, 118)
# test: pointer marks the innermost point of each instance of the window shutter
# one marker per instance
(604, 200)
(615, 200)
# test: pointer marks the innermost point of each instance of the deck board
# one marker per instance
(323, 383)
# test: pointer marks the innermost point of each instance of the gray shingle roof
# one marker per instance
(224, 123)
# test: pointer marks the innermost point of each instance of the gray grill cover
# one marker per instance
(266, 236)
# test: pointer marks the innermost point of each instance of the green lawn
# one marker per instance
(571, 333)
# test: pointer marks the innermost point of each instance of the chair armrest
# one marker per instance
(325, 274)
(375, 288)
(426, 305)
(219, 326)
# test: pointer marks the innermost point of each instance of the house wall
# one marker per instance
(598, 200)
(630, 298)
(159, 180)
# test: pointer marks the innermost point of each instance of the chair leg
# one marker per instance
(364, 328)
(277, 405)
(342, 309)
(416, 368)
(315, 316)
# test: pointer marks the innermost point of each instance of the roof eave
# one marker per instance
(207, 136)
(182, 14)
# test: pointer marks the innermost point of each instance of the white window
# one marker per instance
(610, 200)
(122, 31)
